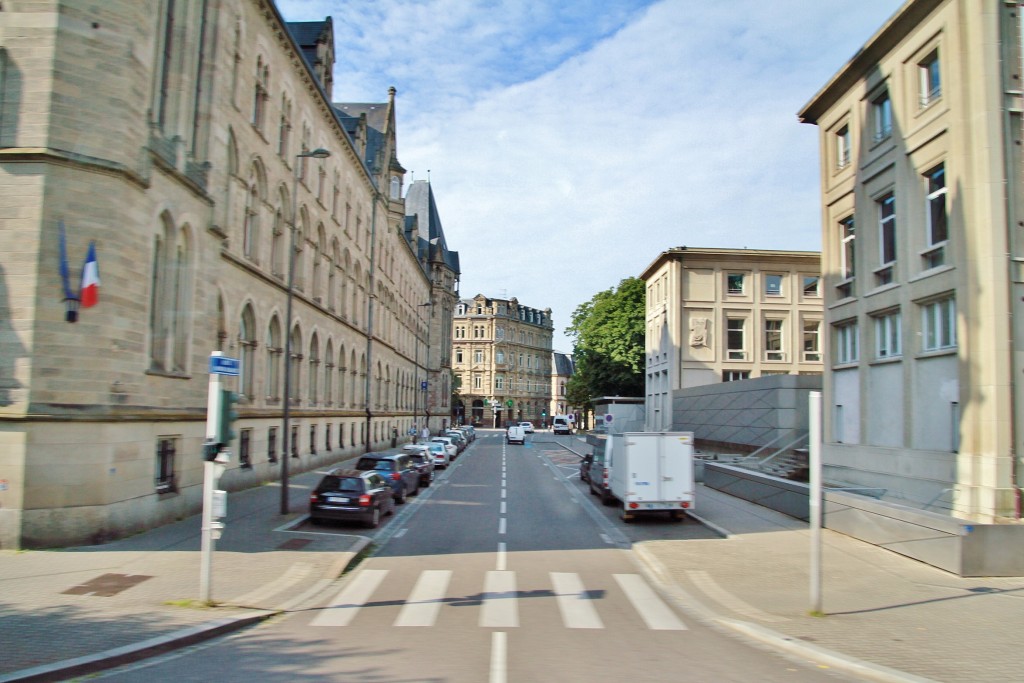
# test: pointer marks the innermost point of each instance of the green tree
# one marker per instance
(608, 344)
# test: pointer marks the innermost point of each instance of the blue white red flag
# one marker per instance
(90, 293)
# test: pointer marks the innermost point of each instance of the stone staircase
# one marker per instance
(793, 465)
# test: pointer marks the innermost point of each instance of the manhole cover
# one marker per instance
(107, 585)
(294, 544)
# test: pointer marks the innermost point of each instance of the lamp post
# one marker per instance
(319, 153)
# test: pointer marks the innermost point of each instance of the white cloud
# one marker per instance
(569, 145)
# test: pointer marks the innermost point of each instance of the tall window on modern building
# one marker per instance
(881, 116)
(937, 218)
(773, 285)
(773, 340)
(812, 286)
(930, 79)
(938, 324)
(888, 335)
(847, 343)
(847, 257)
(886, 239)
(736, 342)
(843, 147)
(812, 341)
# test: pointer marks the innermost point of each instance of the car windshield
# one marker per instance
(367, 463)
(344, 484)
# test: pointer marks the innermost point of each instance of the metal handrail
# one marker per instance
(753, 456)
(785, 448)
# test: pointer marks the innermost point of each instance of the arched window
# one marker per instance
(247, 352)
(329, 374)
(342, 376)
(170, 298)
(295, 366)
(274, 352)
(396, 187)
(314, 370)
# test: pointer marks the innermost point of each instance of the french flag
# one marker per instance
(90, 293)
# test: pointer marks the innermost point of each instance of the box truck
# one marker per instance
(650, 472)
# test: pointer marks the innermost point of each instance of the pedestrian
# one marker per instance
(425, 433)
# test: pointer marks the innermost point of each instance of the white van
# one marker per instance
(515, 434)
(561, 424)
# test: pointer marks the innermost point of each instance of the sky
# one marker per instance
(569, 142)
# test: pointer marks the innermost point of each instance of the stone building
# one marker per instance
(562, 369)
(179, 139)
(723, 315)
(922, 214)
(502, 354)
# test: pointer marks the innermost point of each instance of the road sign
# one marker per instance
(222, 365)
(423, 385)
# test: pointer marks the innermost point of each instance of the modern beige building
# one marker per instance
(922, 215)
(502, 353)
(723, 315)
(179, 138)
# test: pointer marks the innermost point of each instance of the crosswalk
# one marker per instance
(497, 601)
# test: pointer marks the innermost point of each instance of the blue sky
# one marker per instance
(569, 143)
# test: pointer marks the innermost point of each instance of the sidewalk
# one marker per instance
(887, 617)
(62, 610)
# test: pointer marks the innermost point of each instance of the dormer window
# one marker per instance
(396, 187)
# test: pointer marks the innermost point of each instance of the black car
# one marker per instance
(347, 495)
(425, 465)
(399, 470)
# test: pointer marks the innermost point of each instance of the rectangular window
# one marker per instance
(499, 382)
(327, 438)
(312, 439)
(478, 382)
(735, 375)
(886, 239)
(499, 357)
(166, 446)
(881, 116)
(734, 283)
(812, 284)
(244, 449)
(888, 335)
(773, 285)
(272, 444)
(736, 339)
(846, 336)
(812, 341)
(847, 256)
(458, 356)
(931, 80)
(938, 231)
(939, 324)
(843, 147)
(478, 356)
(773, 340)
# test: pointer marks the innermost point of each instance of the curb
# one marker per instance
(108, 659)
(657, 574)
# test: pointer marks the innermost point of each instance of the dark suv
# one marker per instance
(399, 470)
(351, 495)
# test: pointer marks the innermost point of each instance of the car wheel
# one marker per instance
(316, 521)
(374, 521)
(607, 498)
(400, 496)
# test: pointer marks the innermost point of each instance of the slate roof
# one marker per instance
(419, 202)
(563, 364)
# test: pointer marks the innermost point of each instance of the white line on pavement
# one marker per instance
(501, 526)
(500, 607)
(501, 557)
(400, 533)
(426, 599)
(577, 609)
(655, 613)
(345, 605)
(503, 507)
(499, 657)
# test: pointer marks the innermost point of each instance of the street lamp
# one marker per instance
(419, 389)
(319, 153)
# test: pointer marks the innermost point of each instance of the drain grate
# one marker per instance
(294, 544)
(107, 585)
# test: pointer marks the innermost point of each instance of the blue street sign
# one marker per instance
(423, 385)
(222, 365)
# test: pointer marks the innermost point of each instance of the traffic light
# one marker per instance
(226, 417)
(543, 413)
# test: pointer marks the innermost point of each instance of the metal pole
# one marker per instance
(286, 412)
(814, 405)
(207, 543)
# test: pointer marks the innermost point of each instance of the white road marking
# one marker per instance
(501, 526)
(655, 613)
(500, 606)
(400, 533)
(577, 610)
(501, 557)
(607, 539)
(426, 599)
(346, 604)
(499, 657)
(503, 504)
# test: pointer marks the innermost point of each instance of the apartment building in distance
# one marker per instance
(723, 315)
(923, 257)
(562, 368)
(501, 350)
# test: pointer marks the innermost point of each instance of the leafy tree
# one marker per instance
(608, 344)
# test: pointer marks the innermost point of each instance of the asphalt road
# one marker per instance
(504, 570)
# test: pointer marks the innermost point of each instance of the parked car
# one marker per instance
(449, 445)
(527, 427)
(561, 424)
(425, 464)
(399, 470)
(469, 432)
(439, 452)
(461, 442)
(345, 494)
(515, 434)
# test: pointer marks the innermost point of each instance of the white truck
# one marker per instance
(651, 472)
